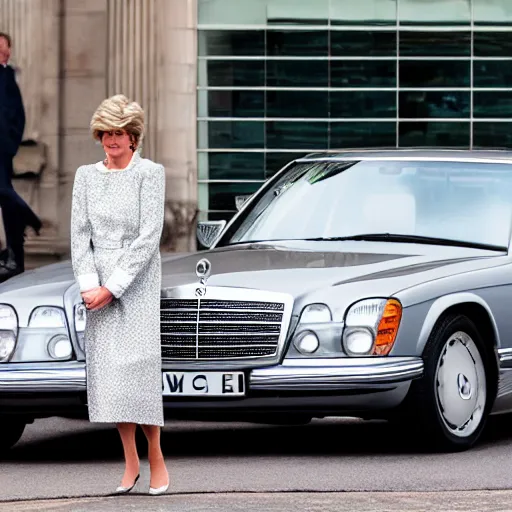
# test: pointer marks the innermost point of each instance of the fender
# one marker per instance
(442, 304)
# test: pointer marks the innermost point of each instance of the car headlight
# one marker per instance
(47, 316)
(8, 332)
(371, 327)
(315, 314)
(306, 340)
(80, 321)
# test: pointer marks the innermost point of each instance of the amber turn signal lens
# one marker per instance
(388, 328)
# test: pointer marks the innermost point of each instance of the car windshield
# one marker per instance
(464, 201)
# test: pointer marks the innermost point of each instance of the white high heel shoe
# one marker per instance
(125, 490)
(158, 490)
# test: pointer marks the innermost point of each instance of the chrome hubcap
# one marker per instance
(460, 385)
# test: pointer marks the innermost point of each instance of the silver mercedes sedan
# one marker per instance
(375, 284)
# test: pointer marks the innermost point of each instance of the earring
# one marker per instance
(132, 147)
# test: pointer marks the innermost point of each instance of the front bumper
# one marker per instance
(332, 374)
(316, 386)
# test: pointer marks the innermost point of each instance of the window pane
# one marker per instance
(431, 73)
(297, 43)
(367, 44)
(297, 73)
(363, 73)
(235, 166)
(433, 44)
(367, 12)
(261, 12)
(274, 162)
(492, 104)
(238, 73)
(492, 12)
(360, 135)
(222, 195)
(421, 133)
(236, 103)
(297, 135)
(493, 44)
(492, 73)
(297, 104)
(231, 42)
(362, 104)
(497, 135)
(435, 12)
(236, 134)
(421, 104)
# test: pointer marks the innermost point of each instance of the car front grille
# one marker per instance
(212, 329)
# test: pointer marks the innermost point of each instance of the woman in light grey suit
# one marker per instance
(116, 225)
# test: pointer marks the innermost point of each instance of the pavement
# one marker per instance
(332, 464)
(474, 501)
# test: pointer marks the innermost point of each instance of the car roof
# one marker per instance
(495, 155)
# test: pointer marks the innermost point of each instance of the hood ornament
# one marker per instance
(203, 271)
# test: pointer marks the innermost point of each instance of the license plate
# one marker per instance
(203, 383)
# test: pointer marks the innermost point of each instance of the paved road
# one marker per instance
(62, 459)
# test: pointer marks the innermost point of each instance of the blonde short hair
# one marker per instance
(116, 113)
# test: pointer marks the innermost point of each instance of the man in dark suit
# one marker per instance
(16, 213)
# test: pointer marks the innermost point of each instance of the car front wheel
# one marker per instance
(10, 433)
(450, 403)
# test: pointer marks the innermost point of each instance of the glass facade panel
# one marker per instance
(236, 103)
(261, 12)
(492, 104)
(435, 73)
(368, 43)
(493, 44)
(492, 12)
(425, 104)
(301, 104)
(234, 73)
(229, 166)
(356, 104)
(363, 73)
(435, 12)
(297, 135)
(497, 135)
(231, 42)
(430, 133)
(281, 78)
(492, 73)
(369, 12)
(291, 73)
(235, 134)
(300, 43)
(435, 44)
(362, 135)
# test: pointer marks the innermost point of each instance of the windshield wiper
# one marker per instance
(412, 239)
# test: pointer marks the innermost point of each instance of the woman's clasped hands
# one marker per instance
(97, 298)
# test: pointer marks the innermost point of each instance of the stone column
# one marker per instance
(85, 54)
(176, 129)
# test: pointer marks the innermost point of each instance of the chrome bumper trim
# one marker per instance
(332, 374)
(37, 377)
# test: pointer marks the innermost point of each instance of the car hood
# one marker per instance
(291, 267)
(299, 267)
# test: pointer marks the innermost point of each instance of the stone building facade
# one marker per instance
(70, 55)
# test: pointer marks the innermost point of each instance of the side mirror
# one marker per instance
(209, 231)
(241, 200)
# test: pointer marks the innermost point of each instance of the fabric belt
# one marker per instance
(104, 243)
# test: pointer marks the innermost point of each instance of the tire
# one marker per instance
(11, 431)
(450, 404)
